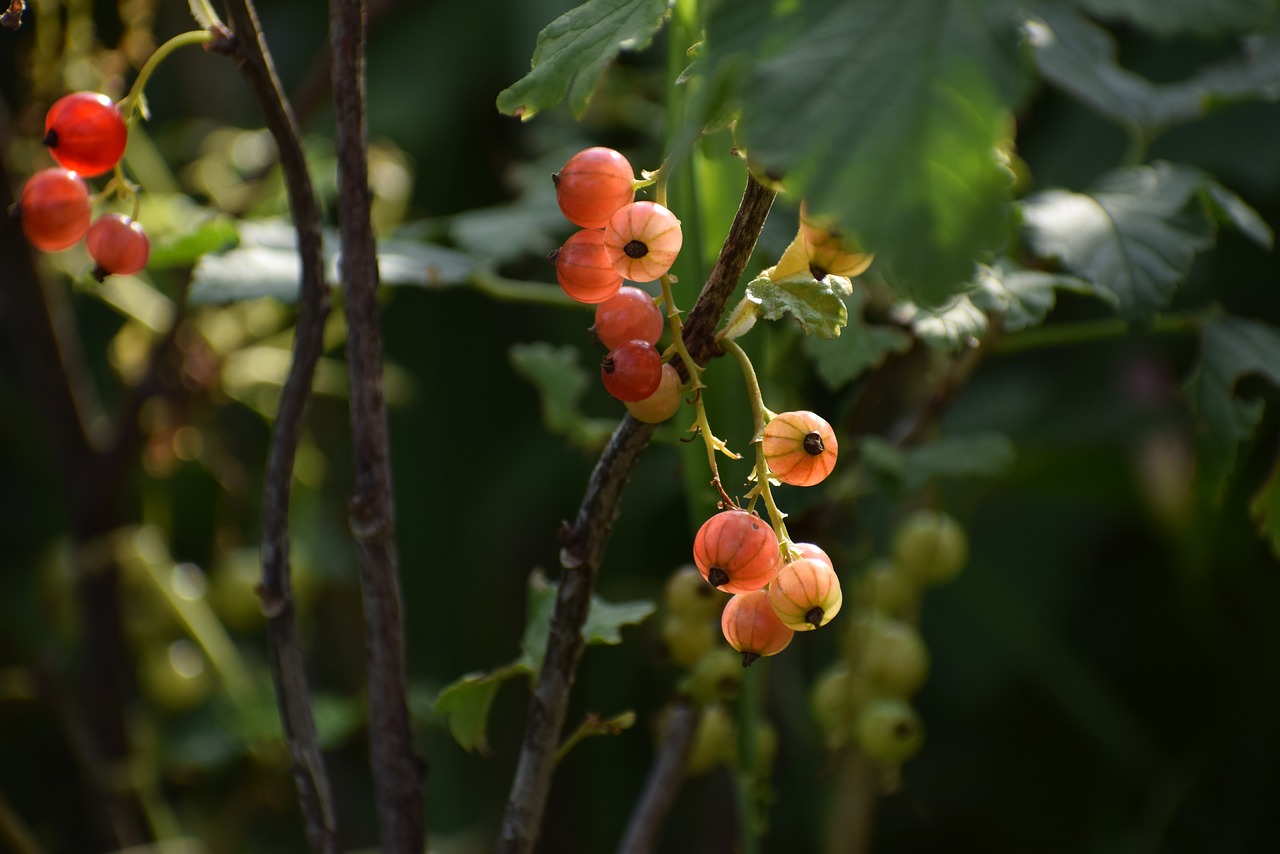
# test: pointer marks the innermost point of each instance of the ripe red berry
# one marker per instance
(737, 551)
(117, 244)
(806, 594)
(643, 239)
(632, 371)
(55, 209)
(800, 447)
(85, 133)
(593, 185)
(812, 552)
(584, 270)
(663, 403)
(752, 628)
(630, 313)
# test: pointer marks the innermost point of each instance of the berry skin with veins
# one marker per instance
(593, 185)
(117, 245)
(85, 133)
(54, 207)
(812, 552)
(584, 270)
(805, 594)
(752, 628)
(632, 371)
(736, 551)
(630, 313)
(800, 447)
(643, 239)
(663, 403)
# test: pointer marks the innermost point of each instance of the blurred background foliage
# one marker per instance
(1102, 672)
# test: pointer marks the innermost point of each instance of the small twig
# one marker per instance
(397, 770)
(288, 670)
(660, 790)
(586, 540)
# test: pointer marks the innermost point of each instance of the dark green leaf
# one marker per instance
(573, 50)
(561, 382)
(1265, 509)
(606, 619)
(1230, 209)
(465, 704)
(603, 625)
(859, 348)
(1023, 298)
(1199, 17)
(885, 115)
(1135, 234)
(1231, 349)
(815, 304)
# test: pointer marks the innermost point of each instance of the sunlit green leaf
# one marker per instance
(1135, 233)
(1231, 348)
(814, 304)
(947, 327)
(573, 50)
(887, 116)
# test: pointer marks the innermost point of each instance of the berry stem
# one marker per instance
(760, 415)
(131, 103)
(204, 14)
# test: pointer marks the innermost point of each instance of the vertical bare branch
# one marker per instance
(288, 668)
(660, 790)
(397, 770)
(586, 540)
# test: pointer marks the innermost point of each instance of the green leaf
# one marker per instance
(1023, 297)
(860, 348)
(1080, 58)
(572, 51)
(975, 455)
(1198, 17)
(885, 115)
(1230, 209)
(561, 382)
(603, 624)
(815, 304)
(948, 327)
(1231, 348)
(405, 262)
(1135, 234)
(465, 705)
(178, 250)
(1265, 509)
(606, 619)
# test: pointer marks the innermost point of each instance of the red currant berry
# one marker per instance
(630, 313)
(752, 628)
(663, 403)
(85, 133)
(812, 552)
(593, 185)
(55, 209)
(801, 448)
(736, 551)
(584, 270)
(643, 239)
(117, 244)
(632, 371)
(806, 594)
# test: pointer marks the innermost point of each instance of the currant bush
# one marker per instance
(805, 594)
(85, 133)
(663, 403)
(117, 245)
(54, 207)
(632, 371)
(643, 239)
(593, 185)
(751, 626)
(584, 270)
(800, 447)
(629, 313)
(737, 551)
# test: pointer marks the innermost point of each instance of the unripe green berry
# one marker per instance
(930, 547)
(687, 593)
(888, 655)
(714, 741)
(715, 677)
(889, 731)
(831, 702)
(688, 637)
(886, 589)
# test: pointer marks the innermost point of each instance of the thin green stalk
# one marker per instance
(131, 102)
(760, 415)
(514, 290)
(1089, 331)
(750, 715)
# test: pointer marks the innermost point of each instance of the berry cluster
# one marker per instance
(779, 587)
(86, 134)
(620, 239)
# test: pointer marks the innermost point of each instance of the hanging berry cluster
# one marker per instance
(86, 133)
(621, 239)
